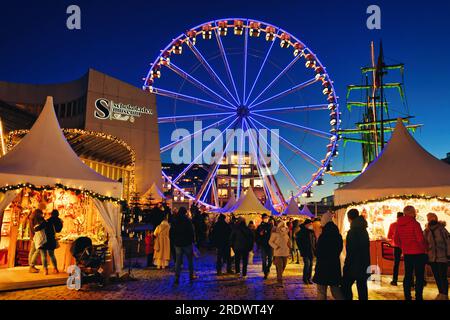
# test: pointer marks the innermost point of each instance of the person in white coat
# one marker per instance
(281, 244)
(162, 244)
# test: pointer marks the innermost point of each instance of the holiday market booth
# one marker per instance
(249, 207)
(404, 174)
(42, 171)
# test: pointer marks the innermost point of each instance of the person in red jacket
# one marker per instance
(149, 248)
(397, 250)
(409, 237)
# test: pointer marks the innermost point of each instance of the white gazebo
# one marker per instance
(230, 204)
(249, 206)
(403, 174)
(44, 158)
(306, 212)
(154, 193)
(292, 208)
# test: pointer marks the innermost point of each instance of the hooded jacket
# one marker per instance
(306, 242)
(220, 234)
(357, 245)
(438, 242)
(280, 241)
(409, 236)
(242, 238)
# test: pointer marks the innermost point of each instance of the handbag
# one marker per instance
(39, 239)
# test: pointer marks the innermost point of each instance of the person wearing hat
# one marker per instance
(306, 242)
(328, 264)
(263, 233)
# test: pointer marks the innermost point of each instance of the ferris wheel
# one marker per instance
(240, 73)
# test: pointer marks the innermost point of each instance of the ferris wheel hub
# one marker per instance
(243, 111)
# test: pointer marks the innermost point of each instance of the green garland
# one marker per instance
(61, 186)
(403, 197)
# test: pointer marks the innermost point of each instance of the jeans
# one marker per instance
(238, 256)
(335, 292)
(43, 253)
(180, 251)
(223, 256)
(361, 285)
(307, 269)
(150, 260)
(280, 263)
(440, 275)
(266, 258)
(414, 264)
(397, 257)
(32, 262)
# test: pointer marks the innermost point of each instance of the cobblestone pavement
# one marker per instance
(158, 285)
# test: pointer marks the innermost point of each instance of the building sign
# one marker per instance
(108, 109)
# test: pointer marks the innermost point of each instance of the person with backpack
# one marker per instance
(242, 243)
(438, 249)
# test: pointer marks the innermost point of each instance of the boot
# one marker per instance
(55, 271)
(33, 269)
(46, 271)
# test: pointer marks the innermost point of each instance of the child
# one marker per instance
(149, 247)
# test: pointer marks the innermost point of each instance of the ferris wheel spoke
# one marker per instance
(259, 72)
(197, 83)
(315, 132)
(203, 152)
(245, 65)
(194, 134)
(283, 167)
(190, 99)
(295, 108)
(227, 64)
(293, 147)
(286, 69)
(210, 70)
(193, 117)
(286, 92)
(240, 160)
(213, 171)
(268, 187)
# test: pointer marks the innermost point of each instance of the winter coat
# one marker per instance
(182, 231)
(162, 244)
(241, 238)
(438, 241)
(391, 233)
(51, 227)
(220, 234)
(357, 246)
(149, 244)
(409, 236)
(328, 251)
(280, 242)
(263, 235)
(306, 242)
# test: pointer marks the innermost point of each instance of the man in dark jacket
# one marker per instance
(262, 239)
(306, 242)
(242, 242)
(220, 238)
(357, 260)
(328, 265)
(182, 235)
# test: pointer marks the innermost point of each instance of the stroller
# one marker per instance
(89, 259)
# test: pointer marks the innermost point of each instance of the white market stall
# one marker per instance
(403, 174)
(43, 168)
(249, 206)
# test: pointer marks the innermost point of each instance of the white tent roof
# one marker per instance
(306, 212)
(248, 204)
(230, 203)
(154, 193)
(292, 208)
(269, 206)
(44, 157)
(403, 168)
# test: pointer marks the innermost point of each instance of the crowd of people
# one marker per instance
(279, 240)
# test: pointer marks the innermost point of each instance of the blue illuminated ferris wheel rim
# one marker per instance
(230, 101)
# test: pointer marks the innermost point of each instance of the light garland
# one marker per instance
(403, 197)
(102, 135)
(85, 192)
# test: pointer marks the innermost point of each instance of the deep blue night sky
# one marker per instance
(122, 38)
